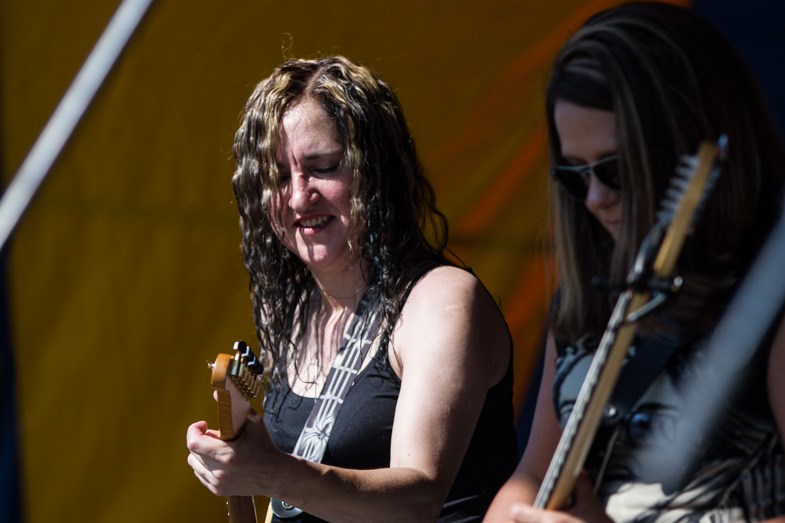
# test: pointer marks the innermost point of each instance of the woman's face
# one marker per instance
(586, 136)
(315, 191)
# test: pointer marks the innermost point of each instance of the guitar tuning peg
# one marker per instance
(248, 357)
(244, 350)
(254, 365)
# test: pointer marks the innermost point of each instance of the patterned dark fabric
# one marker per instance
(738, 470)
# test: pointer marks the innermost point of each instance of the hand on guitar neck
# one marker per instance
(584, 507)
(237, 381)
(238, 385)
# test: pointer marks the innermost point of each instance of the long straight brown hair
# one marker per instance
(672, 81)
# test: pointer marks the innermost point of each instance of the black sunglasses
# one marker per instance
(574, 179)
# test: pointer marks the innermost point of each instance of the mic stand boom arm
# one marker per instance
(68, 113)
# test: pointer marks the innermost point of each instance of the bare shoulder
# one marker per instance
(451, 315)
(453, 294)
(458, 285)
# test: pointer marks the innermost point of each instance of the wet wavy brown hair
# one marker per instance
(394, 223)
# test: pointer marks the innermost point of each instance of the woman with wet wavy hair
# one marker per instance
(638, 86)
(392, 203)
(340, 225)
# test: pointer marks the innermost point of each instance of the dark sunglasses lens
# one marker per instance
(608, 173)
(573, 183)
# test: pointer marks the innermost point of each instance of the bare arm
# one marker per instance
(514, 500)
(452, 345)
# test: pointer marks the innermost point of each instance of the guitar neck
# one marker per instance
(578, 435)
(241, 509)
(238, 385)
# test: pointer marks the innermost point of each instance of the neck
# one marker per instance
(341, 299)
(343, 291)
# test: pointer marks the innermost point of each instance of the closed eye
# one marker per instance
(325, 170)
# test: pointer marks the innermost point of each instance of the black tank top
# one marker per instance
(361, 436)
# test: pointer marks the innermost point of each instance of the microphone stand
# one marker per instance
(68, 113)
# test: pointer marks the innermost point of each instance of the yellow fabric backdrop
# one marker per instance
(126, 276)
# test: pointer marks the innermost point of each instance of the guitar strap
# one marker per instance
(357, 340)
(645, 361)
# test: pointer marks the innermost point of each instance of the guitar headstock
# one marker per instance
(693, 180)
(689, 187)
(239, 383)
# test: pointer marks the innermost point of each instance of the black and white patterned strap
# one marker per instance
(356, 342)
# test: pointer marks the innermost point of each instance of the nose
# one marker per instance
(303, 193)
(599, 195)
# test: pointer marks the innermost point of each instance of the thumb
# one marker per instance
(195, 432)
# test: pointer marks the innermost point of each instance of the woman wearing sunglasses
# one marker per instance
(635, 88)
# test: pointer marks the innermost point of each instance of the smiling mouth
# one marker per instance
(313, 222)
